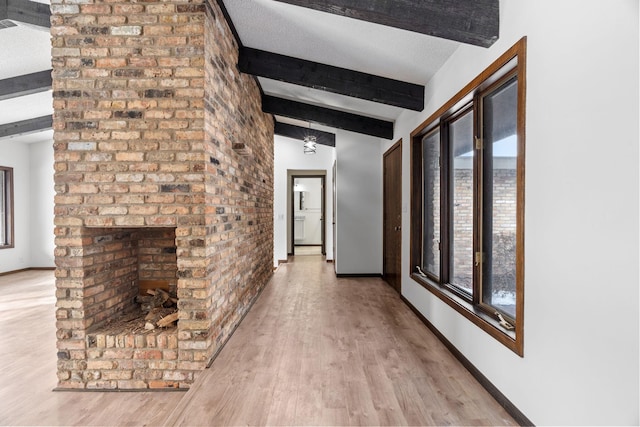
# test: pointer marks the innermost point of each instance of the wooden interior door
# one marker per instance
(392, 233)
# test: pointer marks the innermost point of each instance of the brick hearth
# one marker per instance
(163, 171)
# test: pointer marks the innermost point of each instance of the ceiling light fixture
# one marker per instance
(309, 144)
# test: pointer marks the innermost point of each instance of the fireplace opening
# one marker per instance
(132, 287)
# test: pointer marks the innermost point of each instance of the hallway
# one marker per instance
(314, 350)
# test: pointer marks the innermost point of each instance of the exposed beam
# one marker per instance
(327, 117)
(475, 22)
(25, 85)
(26, 126)
(331, 79)
(29, 12)
(4, 10)
(299, 132)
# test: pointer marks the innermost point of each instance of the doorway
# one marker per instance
(392, 222)
(308, 215)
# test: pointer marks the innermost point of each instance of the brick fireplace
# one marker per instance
(163, 174)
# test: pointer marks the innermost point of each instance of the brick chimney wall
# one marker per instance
(154, 128)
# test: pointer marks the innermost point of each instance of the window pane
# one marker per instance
(461, 252)
(431, 200)
(499, 206)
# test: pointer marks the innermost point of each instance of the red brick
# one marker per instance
(163, 384)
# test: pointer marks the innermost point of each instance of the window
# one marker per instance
(467, 222)
(6, 207)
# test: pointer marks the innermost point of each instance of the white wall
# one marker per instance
(41, 207)
(581, 355)
(16, 156)
(289, 156)
(359, 210)
(33, 204)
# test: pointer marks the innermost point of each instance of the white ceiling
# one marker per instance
(271, 26)
(24, 49)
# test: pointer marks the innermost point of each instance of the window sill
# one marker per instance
(472, 313)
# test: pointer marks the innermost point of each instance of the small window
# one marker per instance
(467, 219)
(6, 207)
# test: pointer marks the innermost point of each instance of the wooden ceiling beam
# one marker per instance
(4, 10)
(328, 117)
(475, 22)
(331, 79)
(299, 132)
(25, 84)
(29, 12)
(26, 126)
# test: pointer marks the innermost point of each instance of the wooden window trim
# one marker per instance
(8, 225)
(473, 311)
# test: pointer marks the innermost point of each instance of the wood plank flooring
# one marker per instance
(317, 350)
(307, 250)
(314, 350)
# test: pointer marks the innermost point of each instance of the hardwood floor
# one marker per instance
(317, 350)
(307, 250)
(314, 350)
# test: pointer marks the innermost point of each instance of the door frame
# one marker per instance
(396, 146)
(334, 200)
(313, 174)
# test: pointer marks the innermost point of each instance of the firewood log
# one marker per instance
(167, 320)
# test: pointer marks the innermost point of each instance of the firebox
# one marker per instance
(126, 263)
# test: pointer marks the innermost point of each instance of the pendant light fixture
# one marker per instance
(309, 143)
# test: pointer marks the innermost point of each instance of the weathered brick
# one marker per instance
(117, 375)
(111, 20)
(127, 9)
(111, 62)
(95, 9)
(163, 384)
(65, 9)
(100, 385)
(129, 157)
(147, 354)
(132, 384)
(126, 30)
(100, 364)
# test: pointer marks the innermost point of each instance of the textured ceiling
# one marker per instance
(24, 49)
